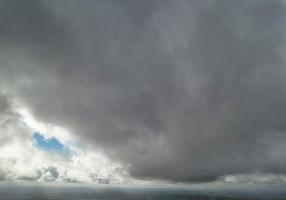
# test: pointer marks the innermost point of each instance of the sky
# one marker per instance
(140, 91)
(50, 144)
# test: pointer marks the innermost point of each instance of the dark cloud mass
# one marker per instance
(179, 90)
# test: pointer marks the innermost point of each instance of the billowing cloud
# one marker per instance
(23, 157)
(176, 90)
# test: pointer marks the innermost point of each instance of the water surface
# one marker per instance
(28, 191)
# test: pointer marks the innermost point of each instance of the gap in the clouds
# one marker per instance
(52, 145)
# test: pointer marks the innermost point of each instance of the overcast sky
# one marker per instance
(146, 90)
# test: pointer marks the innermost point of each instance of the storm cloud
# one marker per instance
(177, 90)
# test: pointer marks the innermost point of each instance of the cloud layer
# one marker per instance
(177, 90)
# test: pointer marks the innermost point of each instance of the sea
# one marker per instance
(55, 191)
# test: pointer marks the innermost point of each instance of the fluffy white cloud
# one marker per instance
(21, 159)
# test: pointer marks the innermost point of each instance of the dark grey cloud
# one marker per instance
(180, 90)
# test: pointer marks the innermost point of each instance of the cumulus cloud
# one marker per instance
(176, 90)
(22, 159)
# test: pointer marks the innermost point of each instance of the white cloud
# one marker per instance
(48, 130)
(20, 159)
(254, 178)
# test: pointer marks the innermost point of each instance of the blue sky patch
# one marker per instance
(50, 144)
